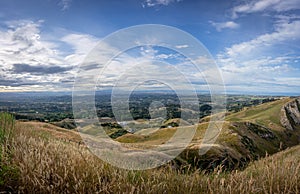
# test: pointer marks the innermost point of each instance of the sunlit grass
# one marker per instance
(264, 114)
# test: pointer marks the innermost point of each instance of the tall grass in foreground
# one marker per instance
(7, 125)
(8, 172)
(50, 165)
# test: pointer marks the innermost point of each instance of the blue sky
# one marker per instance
(256, 43)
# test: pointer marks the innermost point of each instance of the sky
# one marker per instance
(255, 43)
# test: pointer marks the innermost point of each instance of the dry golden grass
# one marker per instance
(48, 164)
(47, 130)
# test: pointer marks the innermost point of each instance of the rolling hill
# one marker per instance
(246, 135)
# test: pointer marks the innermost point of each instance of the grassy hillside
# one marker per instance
(245, 136)
(267, 114)
(42, 158)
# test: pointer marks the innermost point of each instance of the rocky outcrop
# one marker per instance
(290, 115)
(261, 131)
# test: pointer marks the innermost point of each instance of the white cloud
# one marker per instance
(264, 63)
(23, 43)
(283, 32)
(27, 60)
(182, 46)
(259, 74)
(243, 76)
(223, 25)
(262, 5)
(81, 44)
(65, 4)
(152, 3)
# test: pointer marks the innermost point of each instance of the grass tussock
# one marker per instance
(52, 165)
